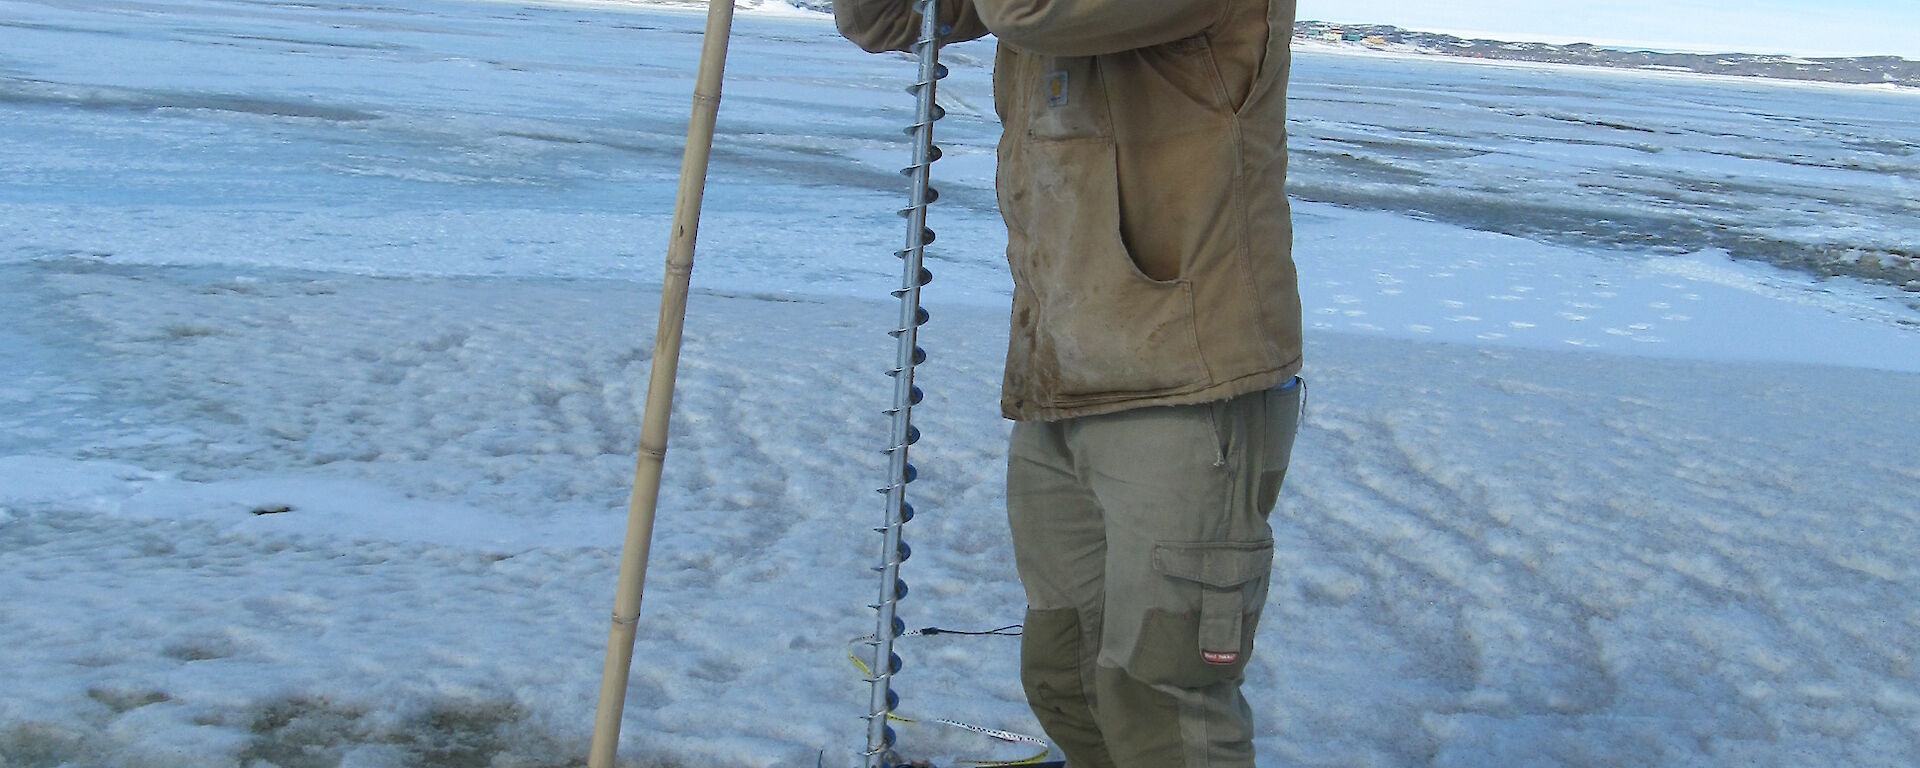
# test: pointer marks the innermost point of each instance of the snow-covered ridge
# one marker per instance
(1891, 71)
(1887, 71)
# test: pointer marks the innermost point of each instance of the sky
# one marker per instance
(1798, 27)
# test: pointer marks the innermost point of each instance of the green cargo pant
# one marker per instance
(1142, 540)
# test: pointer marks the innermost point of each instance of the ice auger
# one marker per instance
(913, 275)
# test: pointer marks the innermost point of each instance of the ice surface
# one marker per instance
(325, 331)
(1815, 178)
(1386, 274)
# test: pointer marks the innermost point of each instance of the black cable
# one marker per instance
(1010, 630)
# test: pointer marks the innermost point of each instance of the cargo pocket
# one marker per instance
(1223, 586)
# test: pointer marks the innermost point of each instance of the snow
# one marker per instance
(326, 333)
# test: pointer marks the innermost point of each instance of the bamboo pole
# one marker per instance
(666, 366)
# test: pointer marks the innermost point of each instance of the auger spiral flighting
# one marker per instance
(880, 735)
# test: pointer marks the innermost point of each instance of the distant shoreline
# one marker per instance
(1335, 49)
(1886, 73)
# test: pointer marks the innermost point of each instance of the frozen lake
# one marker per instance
(448, 139)
(324, 330)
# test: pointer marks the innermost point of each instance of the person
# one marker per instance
(1153, 354)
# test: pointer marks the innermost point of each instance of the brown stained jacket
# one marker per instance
(1142, 172)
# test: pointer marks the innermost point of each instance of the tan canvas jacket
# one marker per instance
(1142, 176)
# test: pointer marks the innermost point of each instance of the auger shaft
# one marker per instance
(880, 737)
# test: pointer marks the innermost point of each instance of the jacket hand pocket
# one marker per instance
(1105, 327)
